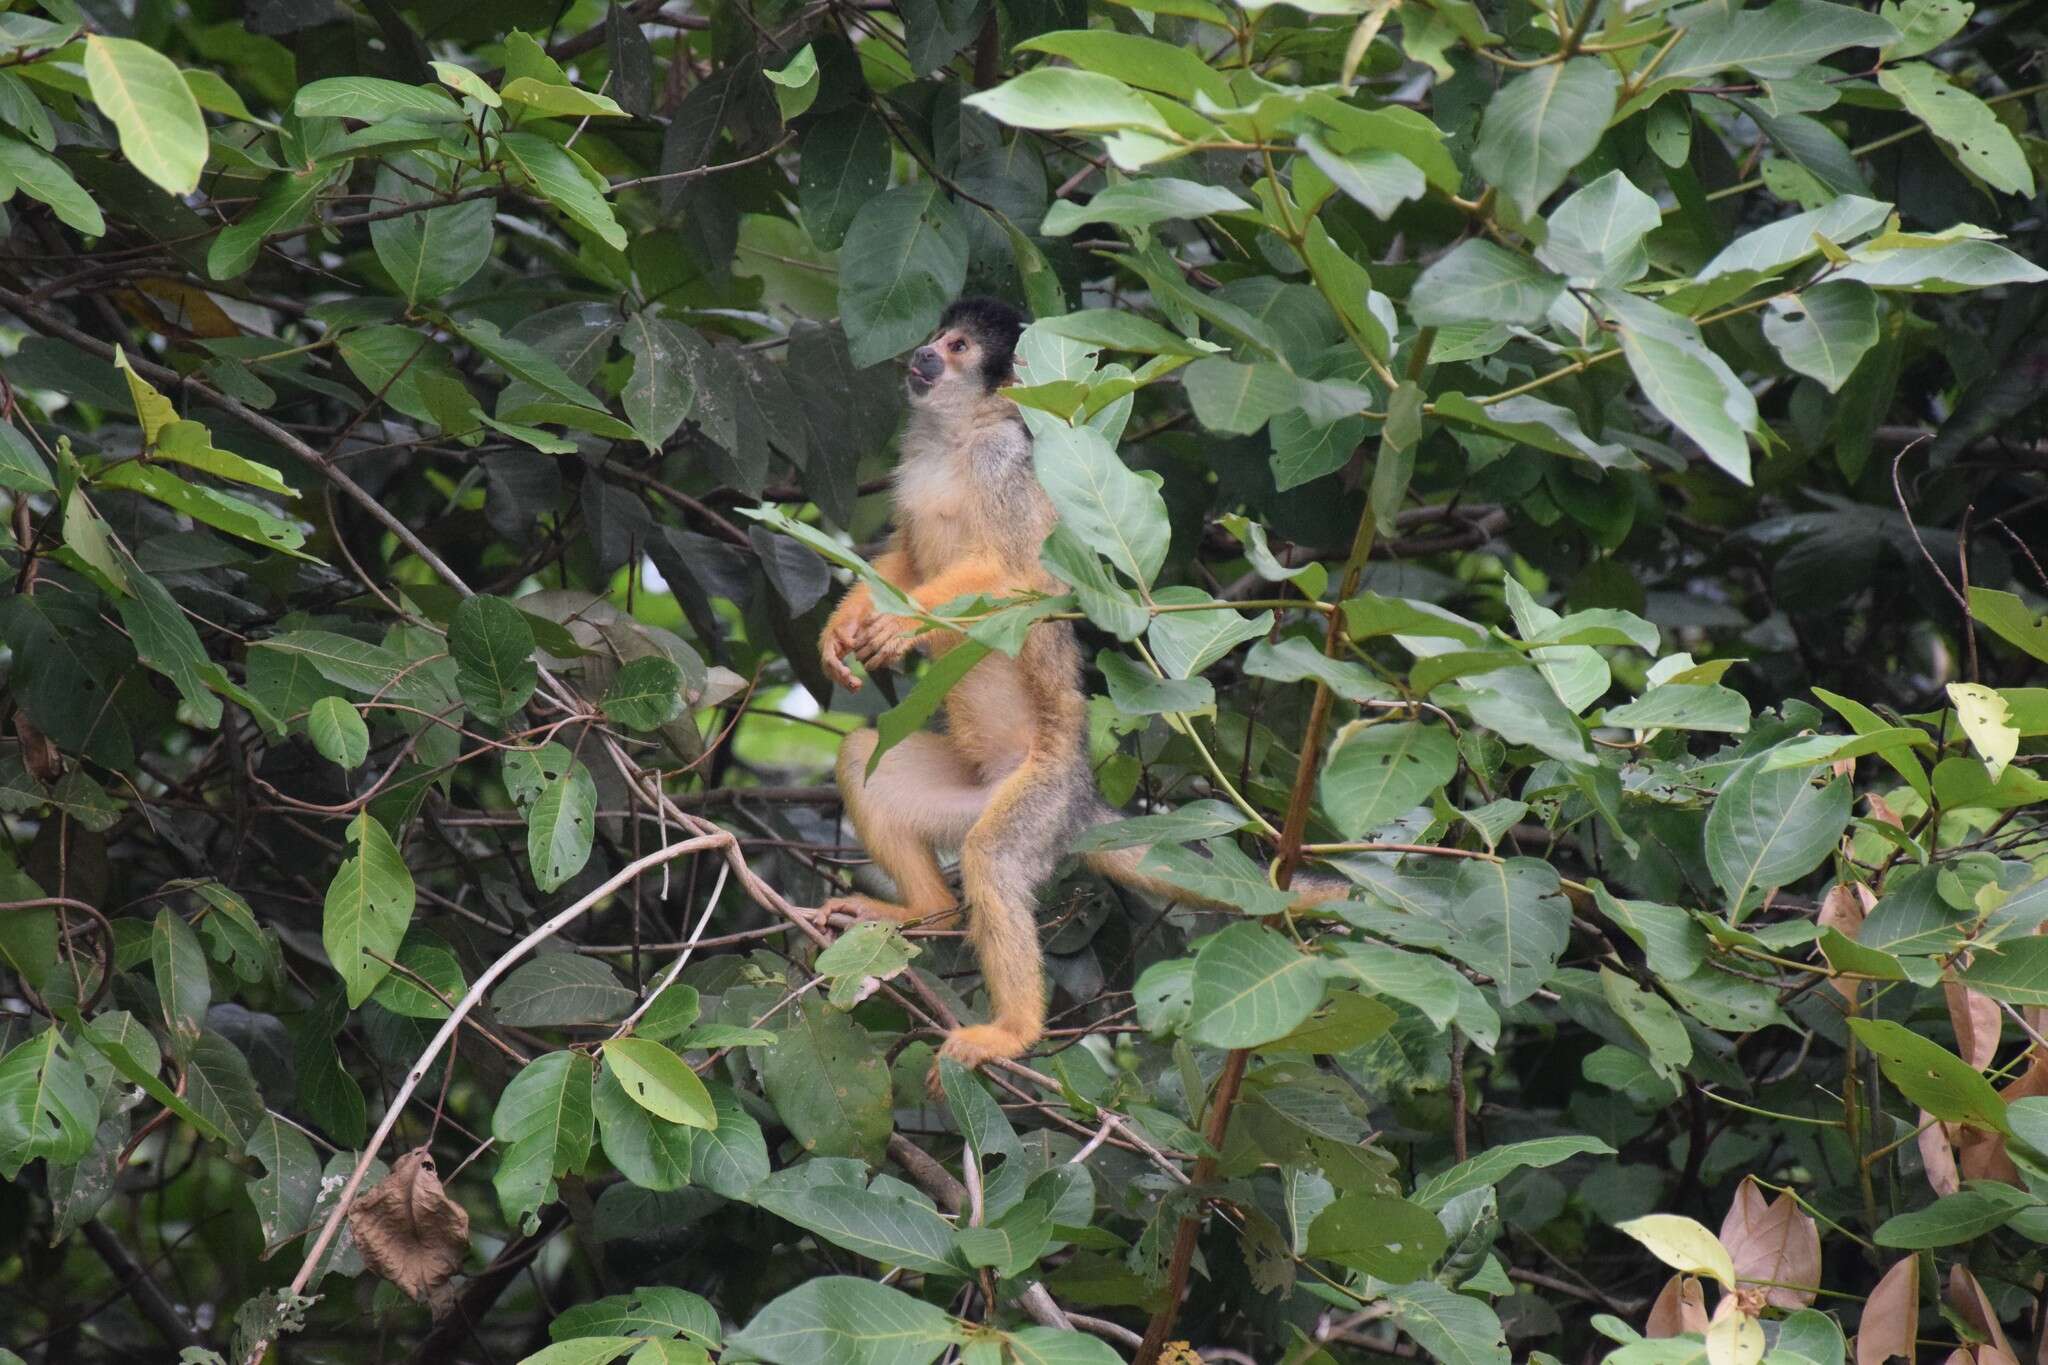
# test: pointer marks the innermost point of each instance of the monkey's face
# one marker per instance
(951, 363)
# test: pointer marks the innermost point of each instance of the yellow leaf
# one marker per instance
(1733, 1337)
(1987, 720)
(152, 409)
(1684, 1244)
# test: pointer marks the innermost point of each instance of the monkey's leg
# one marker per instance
(1004, 859)
(922, 793)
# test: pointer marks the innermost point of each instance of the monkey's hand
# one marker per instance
(886, 640)
(842, 636)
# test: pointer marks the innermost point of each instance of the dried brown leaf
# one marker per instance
(1891, 1318)
(1967, 1297)
(1680, 1308)
(1976, 1018)
(411, 1232)
(1774, 1242)
(1938, 1156)
(1880, 809)
(1841, 910)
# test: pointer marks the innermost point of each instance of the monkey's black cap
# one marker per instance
(993, 323)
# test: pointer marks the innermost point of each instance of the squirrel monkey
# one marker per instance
(1006, 780)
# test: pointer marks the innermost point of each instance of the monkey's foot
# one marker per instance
(888, 912)
(975, 1044)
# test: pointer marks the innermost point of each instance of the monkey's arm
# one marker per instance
(856, 610)
(886, 639)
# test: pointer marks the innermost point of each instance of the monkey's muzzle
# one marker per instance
(926, 365)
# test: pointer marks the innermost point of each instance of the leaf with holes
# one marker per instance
(1377, 772)
(369, 904)
(561, 826)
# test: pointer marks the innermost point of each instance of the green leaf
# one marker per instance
(549, 1100)
(1985, 1207)
(338, 732)
(558, 101)
(1596, 236)
(661, 391)
(881, 1227)
(1923, 25)
(179, 967)
(47, 1109)
(1238, 399)
(190, 443)
(732, 1158)
(166, 642)
(796, 84)
(1496, 1164)
(650, 1311)
(1985, 147)
(828, 1082)
(649, 1151)
(1951, 268)
(1187, 642)
(1115, 511)
(2016, 971)
(1531, 421)
(1824, 332)
(1061, 99)
(1510, 922)
(1377, 772)
(645, 694)
(1931, 1076)
(1542, 124)
(1251, 986)
(864, 953)
(42, 176)
(431, 253)
(223, 511)
(1225, 876)
(368, 99)
(369, 904)
(904, 260)
(566, 181)
(1136, 692)
(22, 470)
(1689, 384)
(2011, 620)
(560, 988)
(1769, 828)
(286, 204)
(493, 649)
(1377, 178)
(1684, 706)
(161, 130)
(426, 956)
(1145, 62)
(354, 664)
(1391, 1239)
(284, 1193)
(1480, 281)
(1451, 1328)
(466, 82)
(1142, 203)
(658, 1081)
(560, 827)
(1770, 249)
(1120, 331)
(845, 165)
(1775, 42)
(847, 1321)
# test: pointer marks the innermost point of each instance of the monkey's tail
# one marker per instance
(1121, 865)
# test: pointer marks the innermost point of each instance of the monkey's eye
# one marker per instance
(958, 346)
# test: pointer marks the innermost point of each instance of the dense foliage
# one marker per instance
(1574, 469)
